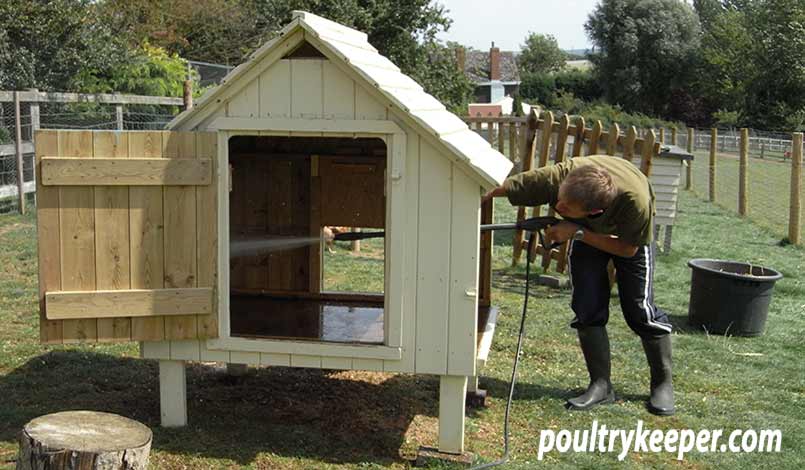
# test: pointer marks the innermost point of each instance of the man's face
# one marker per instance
(571, 209)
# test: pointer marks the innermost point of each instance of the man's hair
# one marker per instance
(591, 186)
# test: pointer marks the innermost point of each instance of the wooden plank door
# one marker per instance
(127, 233)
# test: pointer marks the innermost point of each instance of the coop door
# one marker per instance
(127, 235)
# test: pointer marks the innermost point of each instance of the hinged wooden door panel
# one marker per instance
(127, 236)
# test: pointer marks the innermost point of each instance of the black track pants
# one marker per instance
(587, 267)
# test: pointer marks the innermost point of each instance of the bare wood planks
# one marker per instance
(127, 303)
(128, 172)
(103, 247)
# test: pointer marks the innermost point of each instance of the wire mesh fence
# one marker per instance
(83, 112)
(768, 176)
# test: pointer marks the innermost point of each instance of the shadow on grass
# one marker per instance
(328, 416)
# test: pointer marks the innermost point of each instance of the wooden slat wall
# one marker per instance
(77, 236)
(101, 238)
(435, 191)
(47, 228)
(147, 234)
(113, 266)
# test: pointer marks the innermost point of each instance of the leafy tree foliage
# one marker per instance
(646, 51)
(47, 45)
(540, 54)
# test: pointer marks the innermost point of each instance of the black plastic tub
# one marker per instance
(730, 298)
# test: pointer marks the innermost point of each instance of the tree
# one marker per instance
(540, 54)
(646, 51)
(47, 45)
(776, 96)
(150, 70)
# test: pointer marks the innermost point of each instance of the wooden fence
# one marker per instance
(543, 139)
(23, 135)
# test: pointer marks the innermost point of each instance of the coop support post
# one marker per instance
(452, 396)
(794, 230)
(172, 393)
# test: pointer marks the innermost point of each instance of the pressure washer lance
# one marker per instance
(533, 226)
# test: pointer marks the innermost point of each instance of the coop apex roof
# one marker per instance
(352, 48)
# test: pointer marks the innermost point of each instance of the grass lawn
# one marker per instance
(309, 419)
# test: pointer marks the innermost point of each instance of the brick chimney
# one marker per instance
(461, 58)
(494, 63)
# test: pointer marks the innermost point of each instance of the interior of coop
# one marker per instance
(286, 281)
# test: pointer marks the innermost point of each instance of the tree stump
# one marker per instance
(84, 440)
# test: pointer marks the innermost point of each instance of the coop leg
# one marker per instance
(452, 395)
(172, 393)
(666, 248)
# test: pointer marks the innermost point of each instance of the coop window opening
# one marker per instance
(286, 281)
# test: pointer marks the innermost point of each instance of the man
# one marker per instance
(608, 209)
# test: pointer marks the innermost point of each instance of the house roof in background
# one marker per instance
(476, 66)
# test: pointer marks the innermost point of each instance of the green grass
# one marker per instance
(308, 419)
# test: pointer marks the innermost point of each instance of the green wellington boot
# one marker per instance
(658, 353)
(595, 346)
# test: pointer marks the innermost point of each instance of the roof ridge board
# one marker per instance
(312, 19)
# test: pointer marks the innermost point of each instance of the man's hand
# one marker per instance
(500, 191)
(560, 232)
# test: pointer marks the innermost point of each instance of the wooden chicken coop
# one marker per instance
(163, 237)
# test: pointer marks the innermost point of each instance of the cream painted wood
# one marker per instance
(396, 149)
(275, 359)
(339, 93)
(172, 393)
(273, 51)
(185, 350)
(302, 360)
(155, 350)
(128, 303)
(241, 357)
(337, 363)
(275, 86)
(212, 355)
(452, 398)
(486, 339)
(269, 126)
(472, 384)
(374, 365)
(366, 107)
(465, 246)
(435, 183)
(246, 103)
(306, 88)
(305, 347)
(409, 280)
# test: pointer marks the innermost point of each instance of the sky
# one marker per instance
(477, 23)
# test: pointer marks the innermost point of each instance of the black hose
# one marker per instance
(505, 458)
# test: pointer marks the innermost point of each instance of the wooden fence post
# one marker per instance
(673, 135)
(18, 148)
(743, 175)
(689, 167)
(119, 117)
(794, 217)
(662, 135)
(713, 143)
